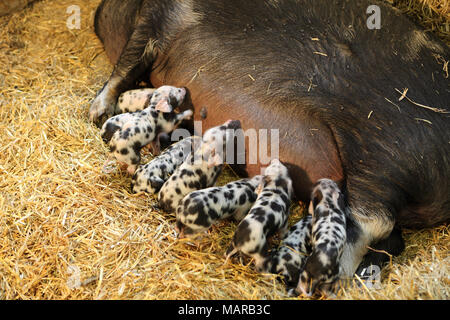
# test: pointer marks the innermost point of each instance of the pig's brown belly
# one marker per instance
(306, 146)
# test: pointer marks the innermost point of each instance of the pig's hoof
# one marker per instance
(101, 109)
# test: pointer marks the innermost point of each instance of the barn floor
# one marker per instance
(68, 231)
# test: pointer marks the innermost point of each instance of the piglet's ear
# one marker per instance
(311, 208)
(215, 160)
(163, 106)
(290, 188)
(317, 197)
(265, 181)
(156, 183)
(127, 125)
(259, 188)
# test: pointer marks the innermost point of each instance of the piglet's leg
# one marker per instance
(231, 251)
(239, 214)
(186, 115)
(284, 230)
(107, 165)
(156, 146)
(302, 231)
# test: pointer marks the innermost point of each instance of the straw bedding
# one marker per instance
(68, 231)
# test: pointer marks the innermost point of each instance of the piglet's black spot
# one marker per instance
(156, 184)
(258, 211)
(202, 218)
(154, 114)
(168, 116)
(317, 197)
(337, 220)
(192, 185)
(284, 198)
(242, 199)
(183, 173)
(275, 207)
(260, 219)
(269, 227)
(242, 234)
(229, 195)
(287, 257)
(281, 183)
(213, 214)
(251, 195)
(126, 134)
(203, 182)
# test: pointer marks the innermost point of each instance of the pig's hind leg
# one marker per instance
(381, 252)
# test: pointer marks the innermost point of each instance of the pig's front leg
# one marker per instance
(137, 57)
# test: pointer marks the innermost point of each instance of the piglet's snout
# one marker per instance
(183, 92)
(233, 124)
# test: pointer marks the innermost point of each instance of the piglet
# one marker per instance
(126, 144)
(289, 258)
(321, 268)
(150, 177)
(164, 99)
(140, 99)
(268, 216)
(199, 210)
(201, 169)
(134, 100)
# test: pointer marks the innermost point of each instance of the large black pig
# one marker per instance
(365, 107)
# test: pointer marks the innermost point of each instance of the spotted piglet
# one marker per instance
(150, 177)
(268, 216)
(116, 123)
(164, 99)
(288, 260)
(321, 269)
(199, 210)
(201, 169)
(134, 100)
(126, 144)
